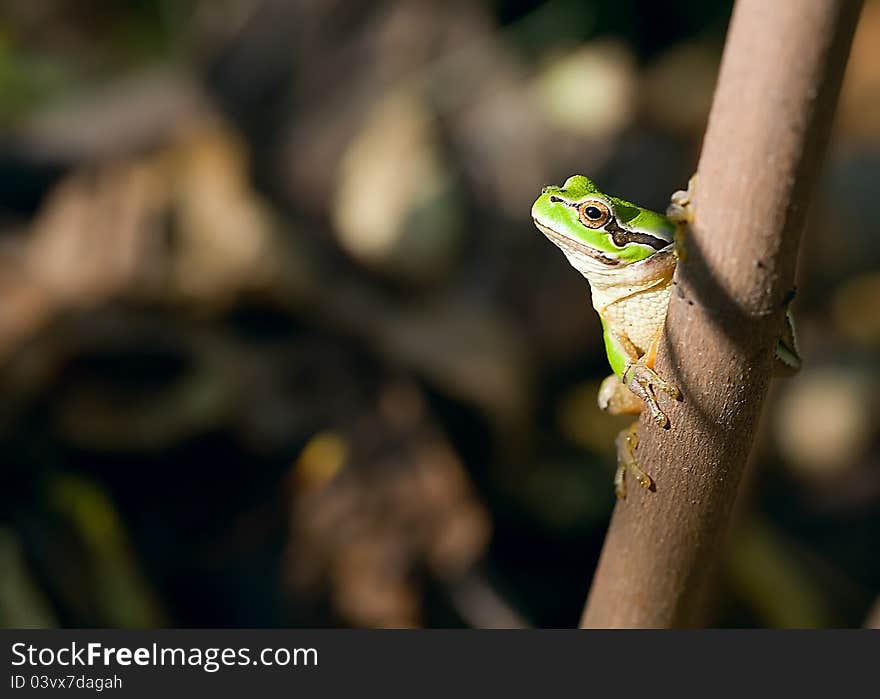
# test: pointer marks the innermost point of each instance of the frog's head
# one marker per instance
(581, 220)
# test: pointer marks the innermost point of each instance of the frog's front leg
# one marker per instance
(644, 382)
(626, 395)
(635, 372)
(680, 208)
(681, 212)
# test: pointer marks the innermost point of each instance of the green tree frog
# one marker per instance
(628, 255)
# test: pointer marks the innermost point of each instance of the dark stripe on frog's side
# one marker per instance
(622, 237)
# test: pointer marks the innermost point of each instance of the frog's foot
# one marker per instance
(627, 441)
(681, 209)
(681, 212)
(644, 382)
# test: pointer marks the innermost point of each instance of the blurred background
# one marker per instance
(280, 346)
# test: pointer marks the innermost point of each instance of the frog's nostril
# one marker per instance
(554, 200)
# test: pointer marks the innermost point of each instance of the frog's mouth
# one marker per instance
(566, 244)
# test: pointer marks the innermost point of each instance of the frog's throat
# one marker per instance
(572, 247)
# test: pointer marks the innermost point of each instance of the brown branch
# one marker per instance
(769, 125)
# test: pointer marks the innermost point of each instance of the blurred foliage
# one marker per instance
(280, 346)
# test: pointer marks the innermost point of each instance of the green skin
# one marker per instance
(628, 254)
(632, 216)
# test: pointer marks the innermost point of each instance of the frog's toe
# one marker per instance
(643, 478)
(620, 481)
(660, 418)
(669, 389)
(681, 202)
(644, 383)
(679, 213)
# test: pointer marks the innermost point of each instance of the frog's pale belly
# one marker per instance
(639, 317)
(632, 301)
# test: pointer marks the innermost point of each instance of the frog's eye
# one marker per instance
(594, 214)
